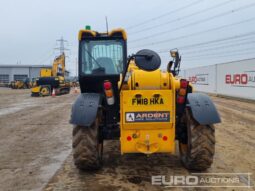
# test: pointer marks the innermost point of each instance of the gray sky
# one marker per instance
(29, 28)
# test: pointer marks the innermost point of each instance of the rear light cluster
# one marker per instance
(182, 91)
(129, 138)
(164, 138)
(108, 92)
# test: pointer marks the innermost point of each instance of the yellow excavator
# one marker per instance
(52, 79)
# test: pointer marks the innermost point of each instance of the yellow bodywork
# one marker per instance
(20, 84)
(42, 91)
(147, 134)
(45, 72)
(58, 66)
(94, 33)
(147, 112)
(36, 89)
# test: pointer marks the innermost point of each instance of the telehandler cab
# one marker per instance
(130, 99)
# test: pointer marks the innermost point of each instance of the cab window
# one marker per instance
(102, 56)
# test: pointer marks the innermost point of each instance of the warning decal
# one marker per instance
(148, 116)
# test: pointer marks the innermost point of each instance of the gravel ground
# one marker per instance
(34, 138)
(35, 148)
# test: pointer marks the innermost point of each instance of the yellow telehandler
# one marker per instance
(131, 100)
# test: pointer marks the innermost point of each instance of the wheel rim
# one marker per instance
(45, 91)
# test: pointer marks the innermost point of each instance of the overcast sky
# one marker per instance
(29, 28)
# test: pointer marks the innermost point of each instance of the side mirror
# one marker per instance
(176, 62)
(147, 60)
(174, 53)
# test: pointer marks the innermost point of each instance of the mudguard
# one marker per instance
(203, 109)
(84, 109)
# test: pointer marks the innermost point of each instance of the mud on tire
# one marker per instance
(198, 153)
(87, 151)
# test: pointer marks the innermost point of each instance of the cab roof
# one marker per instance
(94, 34)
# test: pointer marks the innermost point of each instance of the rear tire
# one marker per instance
(198, 153)
(87, 151)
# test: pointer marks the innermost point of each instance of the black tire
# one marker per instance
(87, 150)
(198, 153)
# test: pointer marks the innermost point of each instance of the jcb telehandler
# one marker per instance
(130, 99)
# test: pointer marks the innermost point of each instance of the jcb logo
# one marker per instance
(146, 101)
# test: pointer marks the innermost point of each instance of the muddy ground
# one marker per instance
(35, 148)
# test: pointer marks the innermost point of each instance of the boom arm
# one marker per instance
(55, 67)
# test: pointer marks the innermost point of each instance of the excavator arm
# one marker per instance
(59, 61)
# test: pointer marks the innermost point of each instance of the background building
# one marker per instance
(9, 73)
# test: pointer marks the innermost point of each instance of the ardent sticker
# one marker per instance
(148, 116)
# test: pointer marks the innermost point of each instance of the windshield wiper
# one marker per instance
(93, 58)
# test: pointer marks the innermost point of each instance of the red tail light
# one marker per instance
(180, 99)
(109, 92)
(107, 85)
(184, 83)
(129, 138)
